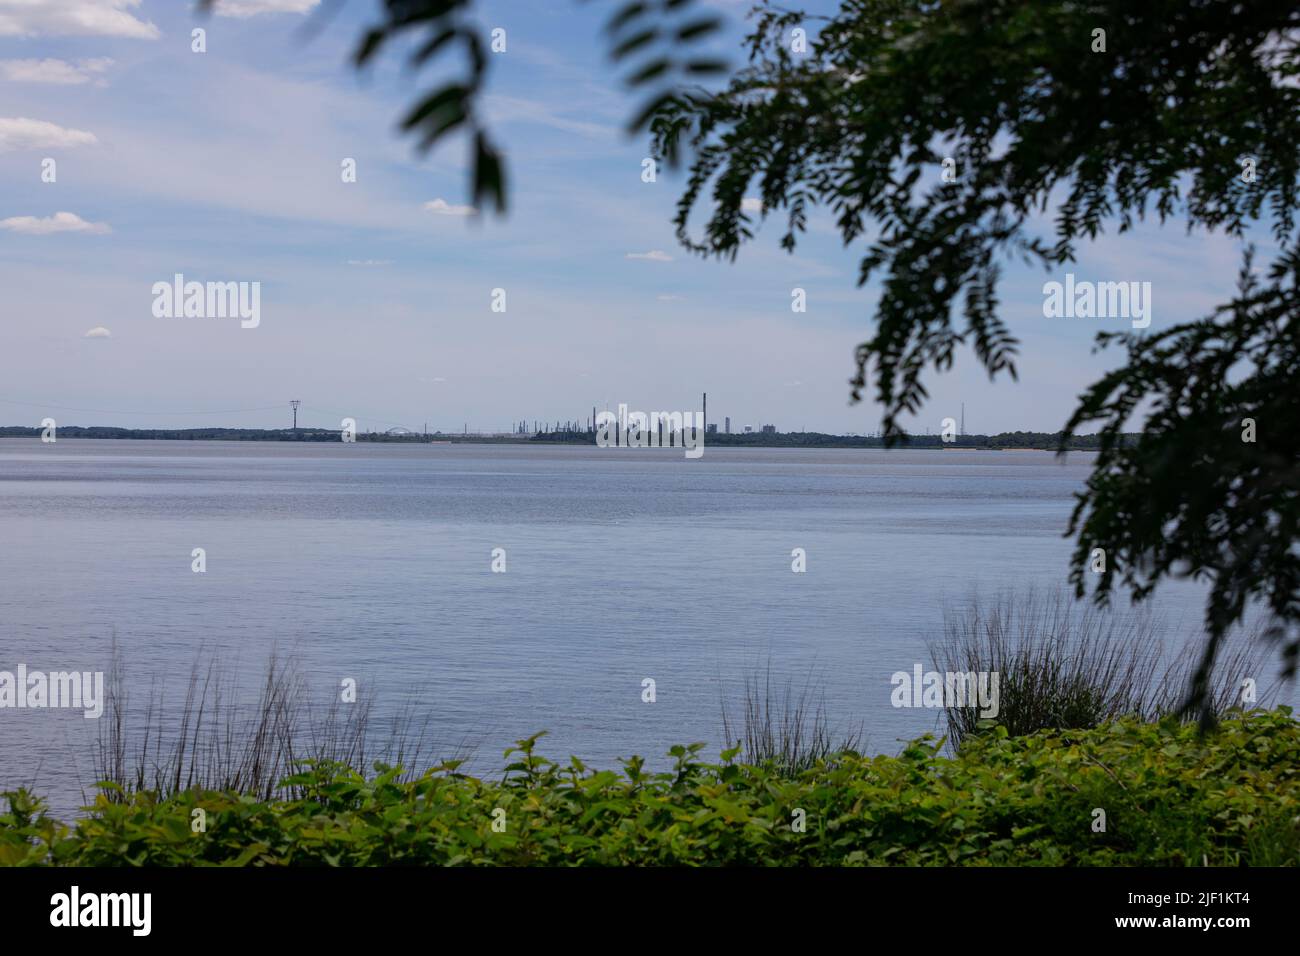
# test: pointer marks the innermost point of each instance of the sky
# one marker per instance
(376, 295)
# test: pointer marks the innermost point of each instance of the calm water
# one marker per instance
(374, 562)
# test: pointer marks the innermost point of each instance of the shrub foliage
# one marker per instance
(1170, 796)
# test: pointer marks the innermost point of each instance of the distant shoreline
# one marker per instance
(1005, 441)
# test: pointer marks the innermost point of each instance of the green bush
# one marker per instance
(1171, 797)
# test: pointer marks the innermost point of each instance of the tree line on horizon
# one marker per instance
(1046, 441)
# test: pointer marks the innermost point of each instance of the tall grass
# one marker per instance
(778, 726)
(221, 739)
(1066, 664)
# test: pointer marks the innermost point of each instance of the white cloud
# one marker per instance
(59, 72)
(442, 208)
(59, 222)
(112, 18)
(369, 262)
(654, 255)
(98, 332)
(668, 298)
(23, 133)
(751, 204)
(252, 8)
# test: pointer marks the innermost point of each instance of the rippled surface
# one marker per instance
(373, 561)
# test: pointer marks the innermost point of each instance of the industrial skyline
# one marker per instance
(544, 426)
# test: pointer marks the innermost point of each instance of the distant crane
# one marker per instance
(294, 405)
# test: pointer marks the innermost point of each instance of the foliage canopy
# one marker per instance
(1172, 798)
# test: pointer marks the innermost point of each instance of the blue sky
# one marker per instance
(225, 166)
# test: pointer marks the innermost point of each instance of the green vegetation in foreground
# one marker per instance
(1171, 798)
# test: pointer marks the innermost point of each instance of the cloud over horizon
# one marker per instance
(59, 222)
(55, 72)
(109, 18)
(243, 9)
(441, 207)
(23, 133)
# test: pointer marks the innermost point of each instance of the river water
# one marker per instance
(373, 562)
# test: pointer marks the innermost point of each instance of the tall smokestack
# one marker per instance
(705, 414)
